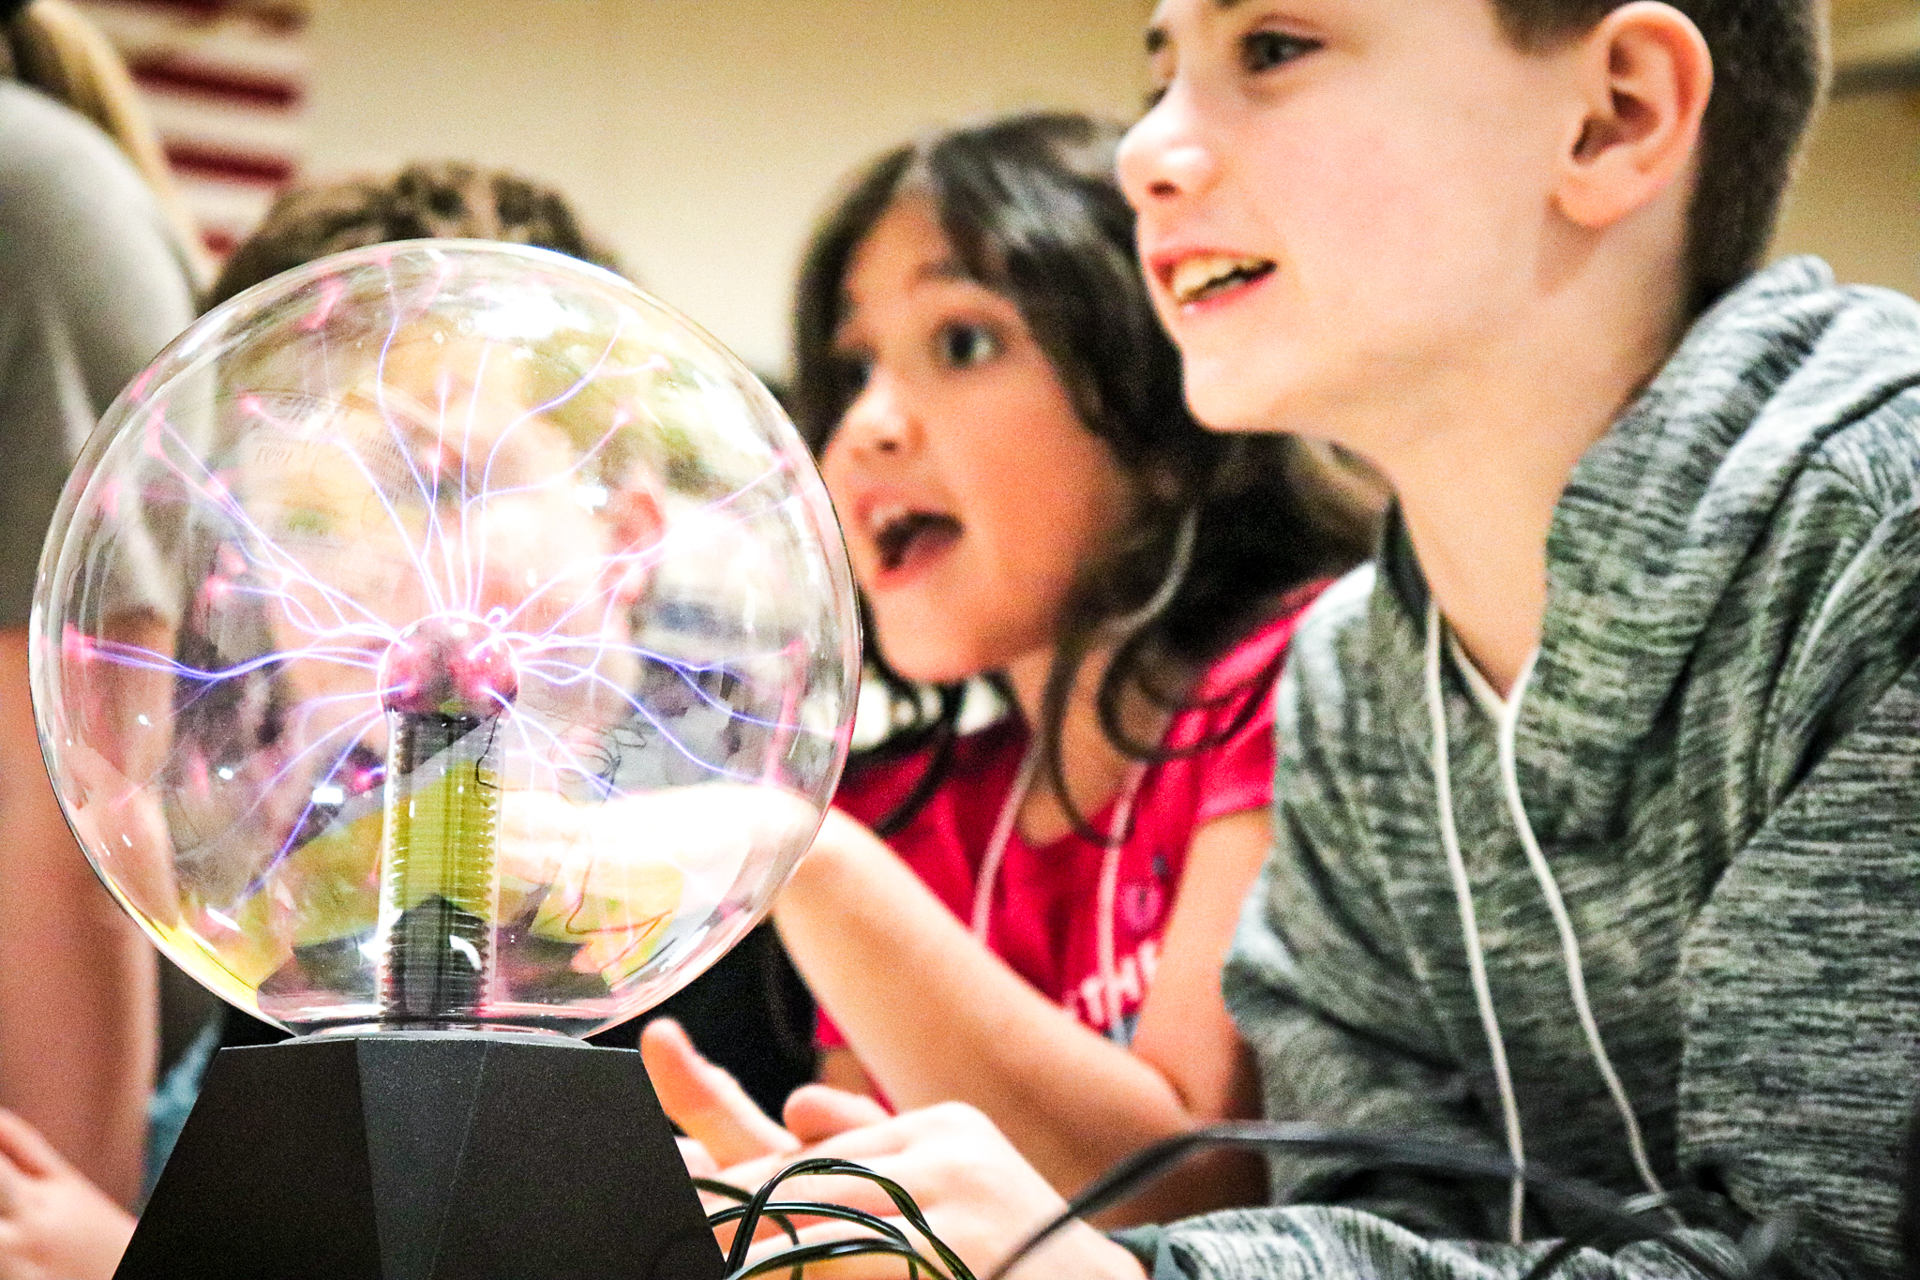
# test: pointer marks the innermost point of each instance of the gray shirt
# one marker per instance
(91, 288)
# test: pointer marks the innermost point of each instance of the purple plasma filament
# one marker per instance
(453, 666)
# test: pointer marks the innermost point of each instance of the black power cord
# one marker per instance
(887, 1239)
(1604, 1219)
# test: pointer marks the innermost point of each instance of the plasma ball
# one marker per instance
(484, 560)
(453, 666)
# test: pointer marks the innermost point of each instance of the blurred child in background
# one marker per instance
(96, 275)
(750, 1012)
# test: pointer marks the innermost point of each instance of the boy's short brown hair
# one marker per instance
(1769, 61)
(431, 200)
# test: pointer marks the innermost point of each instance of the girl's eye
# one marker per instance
(1265, 50)
(850, 375)
(962, 346)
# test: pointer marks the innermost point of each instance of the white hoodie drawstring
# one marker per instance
(1569, 941)
(1508, 721)
(1469, 925)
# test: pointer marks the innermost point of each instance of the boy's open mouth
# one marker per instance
(1205, 276)
(906, 536)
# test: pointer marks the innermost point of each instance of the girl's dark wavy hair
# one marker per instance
(1032, 209)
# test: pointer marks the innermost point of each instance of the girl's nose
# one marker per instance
(879, 420)
(1163, 159)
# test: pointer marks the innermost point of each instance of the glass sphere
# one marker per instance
(444, 635)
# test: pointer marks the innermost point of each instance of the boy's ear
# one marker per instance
(1647, 74)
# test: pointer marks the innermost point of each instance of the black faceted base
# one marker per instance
(425, 1156)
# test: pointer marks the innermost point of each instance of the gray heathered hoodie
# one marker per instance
(1719, 754)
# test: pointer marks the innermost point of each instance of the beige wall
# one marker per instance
(1857, 199)
(701, 137)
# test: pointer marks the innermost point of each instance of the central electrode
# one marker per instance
(444, 683)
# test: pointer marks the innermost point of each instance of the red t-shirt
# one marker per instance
(1044, 915)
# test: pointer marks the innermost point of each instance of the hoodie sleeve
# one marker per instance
(1801, 1022)
(1316, 1243)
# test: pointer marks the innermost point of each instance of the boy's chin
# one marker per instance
(1222, 397)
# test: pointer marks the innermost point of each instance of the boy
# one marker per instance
(1594, 830)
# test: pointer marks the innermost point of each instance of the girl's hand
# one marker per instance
(980, 1197)
(725, 1127)
(708, 1104)
(54, 1224)
(978, 1194)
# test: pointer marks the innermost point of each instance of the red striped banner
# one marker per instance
(225, 81)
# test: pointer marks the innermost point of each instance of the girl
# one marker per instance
(1030, 918)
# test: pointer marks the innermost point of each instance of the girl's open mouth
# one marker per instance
(907, 539)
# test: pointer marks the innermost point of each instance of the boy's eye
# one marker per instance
(1265, 50)
(962, 346)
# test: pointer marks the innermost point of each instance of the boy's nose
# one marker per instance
(1162, 159)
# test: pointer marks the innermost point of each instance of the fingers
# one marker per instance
(845, 1192)
(932, 1128)
(867, 1146)
(706, 1102)
(862, 1145)
(700, 1163)
(815, 1113)
(25, 1148)
(933, 1153)
(878, 1267)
